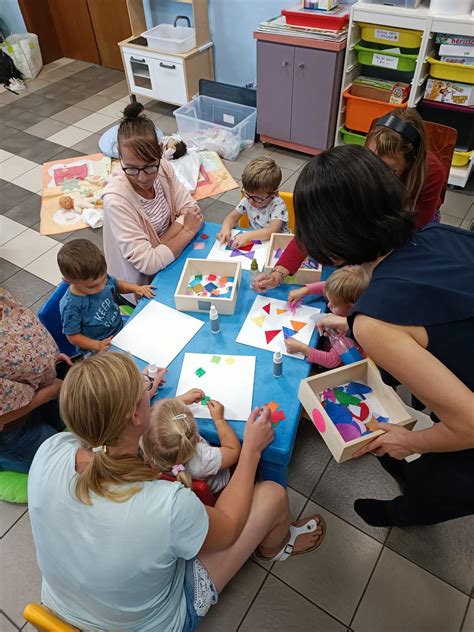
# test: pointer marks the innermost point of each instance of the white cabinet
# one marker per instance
(140, 74)
(170, 81)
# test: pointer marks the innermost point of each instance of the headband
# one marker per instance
(402, 127)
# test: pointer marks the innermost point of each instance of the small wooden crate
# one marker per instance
(366, 372)
(304, 275)
(186, 303)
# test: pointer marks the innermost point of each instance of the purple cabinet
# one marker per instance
(297, 94)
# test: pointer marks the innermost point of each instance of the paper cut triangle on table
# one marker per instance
(281, 311)
(238, 253)
(246, 248)
(258, 320)
(288, 333)
(269, 335)
(296, 324)
(266, 308)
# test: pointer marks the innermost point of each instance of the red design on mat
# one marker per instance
(266, 308)
(75, 171)
(269, 335)
(204, 236)
(278, 415)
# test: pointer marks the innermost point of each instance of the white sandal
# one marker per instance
(310, 526)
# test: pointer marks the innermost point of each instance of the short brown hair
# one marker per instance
(261, 175)
(81, 260)
(347, 284)
(137, 132)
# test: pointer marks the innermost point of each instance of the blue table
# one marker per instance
(283, 390)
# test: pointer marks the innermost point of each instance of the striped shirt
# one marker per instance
(157, 210)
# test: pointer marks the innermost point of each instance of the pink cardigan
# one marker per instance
(133, 250)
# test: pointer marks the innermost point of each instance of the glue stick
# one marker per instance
(214, 318)
(152, 371)
(277, 364)
(253, 274)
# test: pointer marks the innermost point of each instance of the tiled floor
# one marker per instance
(363, 579)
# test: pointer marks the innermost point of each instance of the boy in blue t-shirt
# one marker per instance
(89, 315)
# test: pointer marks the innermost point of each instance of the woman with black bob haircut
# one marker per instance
(415, 320)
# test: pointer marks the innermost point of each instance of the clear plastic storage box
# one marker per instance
(216, 125)
(406, 4)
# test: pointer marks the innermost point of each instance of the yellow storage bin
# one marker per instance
(392, 37)
(451, 72)
(461, 158)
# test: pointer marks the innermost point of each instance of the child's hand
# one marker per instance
(240, 240)
(193, 396)
(216, 409)
(103, 345)
(331, 321)
(258, 431)
(295, 346)
(145, 290)
(224, 235)
(295, 295)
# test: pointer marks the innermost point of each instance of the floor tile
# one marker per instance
(469, 219)
(21, 580)
(7, 270)
(456, 204)
(117, 91)
(236, 167)
(357, 478)
(95, 103)
(8, 98)
(67, 153)
(69, 136)
(291, 160)
(14, 167)
(6, 625)
(257, 150)
(335, 575)
(217, 210)
(58, 73)
(405, 597)
(46, 128)
(235, 599)
(231, 197)
(19, 119)
(31, 180)
(94, 235)
(451, 220)
(452, 542)
(71, 115)
(5, 155)
(309, 460)
(11, 196)
(35, 307)
(77, 65)
(40, 151)
(60, 94)
(27, 287)
(26, 247)
(9, 514)
(31, 102)
(6, 132)
(167, 124)
(95, 122)
(36, 84)
(46, 266)
(158, 107)
(288, 184)
(115, 110)
(52, 106)
(89, 145)
(19, 143)
(278, 608)
(469, 620)
(9, 230)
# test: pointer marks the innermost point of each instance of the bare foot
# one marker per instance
(303, 542)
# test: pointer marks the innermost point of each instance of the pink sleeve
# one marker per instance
(327, 359)
(292, 257)
(316, 288)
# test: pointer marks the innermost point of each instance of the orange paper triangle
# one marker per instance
(297, 325)
(281, 311)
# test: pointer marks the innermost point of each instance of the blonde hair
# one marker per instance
(97, 400)
(391, 143)
(347, 284)
(261, 175)
(171, 438)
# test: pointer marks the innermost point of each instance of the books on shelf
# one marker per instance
(278, 26)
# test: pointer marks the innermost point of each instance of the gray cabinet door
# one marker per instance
(275, 63)
(315, 92)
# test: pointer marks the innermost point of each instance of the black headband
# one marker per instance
(402, 127)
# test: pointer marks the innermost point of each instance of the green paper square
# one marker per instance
(200, 372)
(216, 359)
(198, 277)
(205, 399)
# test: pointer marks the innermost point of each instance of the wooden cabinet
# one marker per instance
(297, 95)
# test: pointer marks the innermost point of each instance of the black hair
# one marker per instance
(349, 205)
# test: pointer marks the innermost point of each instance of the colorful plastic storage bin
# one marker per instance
(318, 19)
(457, 116)
(351, 138)
(461, 158)
(451, 72)
(383, 65)
(361, 112)
(391, 37)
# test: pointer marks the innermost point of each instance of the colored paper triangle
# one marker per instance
(246, 248)
(296, 324)
(249, 255)
(258, 320)
(281, 311)
(272, 333)
(266, 308)
(287, 332)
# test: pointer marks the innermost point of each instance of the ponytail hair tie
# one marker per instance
(176, 469)
(180, 416)
(100, 448)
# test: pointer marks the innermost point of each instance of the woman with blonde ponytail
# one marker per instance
(117, 547)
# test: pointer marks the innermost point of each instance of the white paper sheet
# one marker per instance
(219, 252)
(228, 380)
(259, 321)
(157, 334)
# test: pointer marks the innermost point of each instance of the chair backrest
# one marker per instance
(43, 620)
(441, 141)
(287, 198)
(200, 488)
(50, 317)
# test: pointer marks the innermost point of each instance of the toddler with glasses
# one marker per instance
(266, 211)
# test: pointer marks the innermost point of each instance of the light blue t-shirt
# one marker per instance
(112, 566)
(96, 316)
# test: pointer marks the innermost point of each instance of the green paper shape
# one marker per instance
(200, 372)
(216, 359)
(198, 277)
(205, 399)
(344, 398)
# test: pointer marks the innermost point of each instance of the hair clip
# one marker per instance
(176, 469)
(100, 448)
(180, 416)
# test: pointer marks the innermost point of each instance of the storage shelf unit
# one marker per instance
(420, 19)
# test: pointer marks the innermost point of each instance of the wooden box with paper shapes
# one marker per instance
(348, 405)
(310, 270)
(206, 282)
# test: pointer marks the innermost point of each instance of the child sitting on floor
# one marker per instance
(265, 209)
(172, 444)
(89, 315)
(342, 289)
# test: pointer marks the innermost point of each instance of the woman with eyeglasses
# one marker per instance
(149, 217)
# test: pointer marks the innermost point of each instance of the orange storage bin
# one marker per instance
(361, 112)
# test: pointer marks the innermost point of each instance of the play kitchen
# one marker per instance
(166, 62)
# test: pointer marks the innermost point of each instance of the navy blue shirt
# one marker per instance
(429, 282)
(96, 316)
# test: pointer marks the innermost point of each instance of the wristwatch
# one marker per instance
(282, 274)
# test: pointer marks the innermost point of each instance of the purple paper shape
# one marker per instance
(348, 431)
(278, 252)
(256, 241)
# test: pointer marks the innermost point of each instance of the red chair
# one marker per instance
(200, 488)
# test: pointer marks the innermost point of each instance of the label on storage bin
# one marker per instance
(391, 36)
(385, 61)
(228, 118)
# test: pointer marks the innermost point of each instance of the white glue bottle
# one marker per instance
(253, 274)
(152, 371)
(214, 318)
(277, 364)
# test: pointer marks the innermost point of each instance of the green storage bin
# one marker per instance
(382, 59)
(351, 138)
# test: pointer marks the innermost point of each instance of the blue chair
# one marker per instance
(50, 317)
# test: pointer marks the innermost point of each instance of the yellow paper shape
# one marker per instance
(230, 360)
(258, 320)
(281, 311)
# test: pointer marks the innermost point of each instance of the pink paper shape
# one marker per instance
(318, 420)
(199, 245)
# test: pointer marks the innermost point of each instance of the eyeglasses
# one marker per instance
(134, 171)
(258, 198)
(148, 382)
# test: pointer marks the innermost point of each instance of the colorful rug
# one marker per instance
(214, 178)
